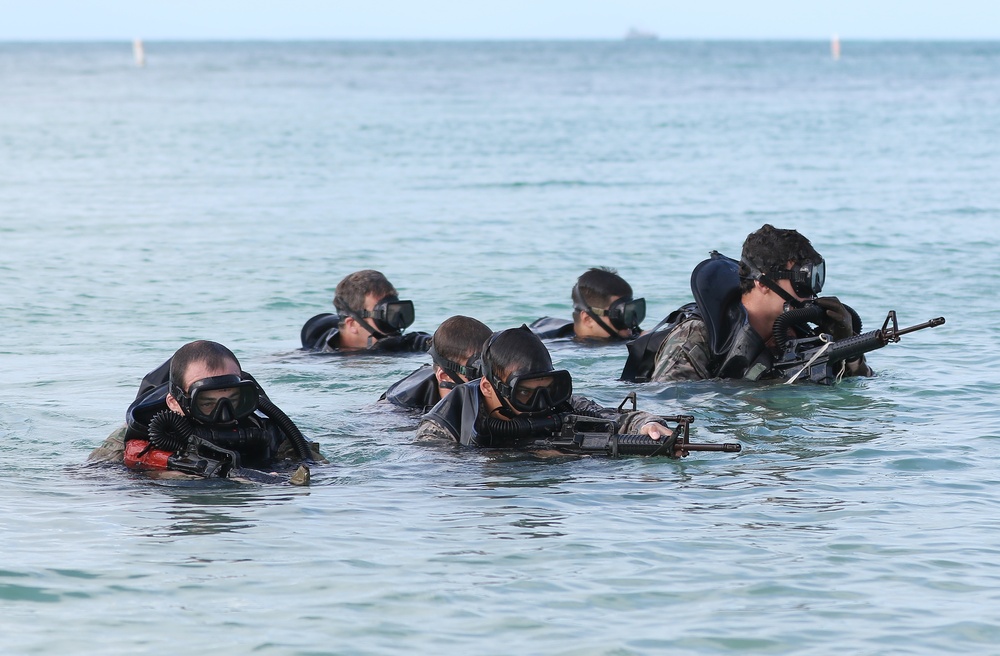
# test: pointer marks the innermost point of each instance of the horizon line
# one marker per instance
(603, 39)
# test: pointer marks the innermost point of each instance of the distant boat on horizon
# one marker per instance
(635, 34)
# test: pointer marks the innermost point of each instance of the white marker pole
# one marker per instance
(139, 53)
(835, 47)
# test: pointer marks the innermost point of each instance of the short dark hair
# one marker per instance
(352, 290)
(515, 351)
(460, 338)
(213, 354)
(597, 285)
(771, 249)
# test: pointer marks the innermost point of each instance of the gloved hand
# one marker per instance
(418, 341)
(838, 322)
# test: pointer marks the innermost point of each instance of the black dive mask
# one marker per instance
(453, 370)
(624, 314)
(206, 402)
(536, 392)
(807, 279)
(392, 316)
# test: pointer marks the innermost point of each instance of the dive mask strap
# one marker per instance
(359, 317)
(454, 370)
(505, 409)
(767, 281)
(470, 371)
(581, 305)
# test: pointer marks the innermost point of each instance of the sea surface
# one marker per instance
(223, 190)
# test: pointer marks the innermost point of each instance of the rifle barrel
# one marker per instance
(627, 445)
(727, 447)
(920, 326)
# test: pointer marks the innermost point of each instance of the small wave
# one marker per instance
(557, 184)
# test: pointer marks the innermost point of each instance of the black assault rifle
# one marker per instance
(819, 358)
(590, 435)
(209, 460)
(203, 458)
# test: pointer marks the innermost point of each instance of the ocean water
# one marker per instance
(223, 190)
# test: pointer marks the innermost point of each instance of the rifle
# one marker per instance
(816, 357)
(200, 457)
(203, 458)
(197, 456)
(591, 435)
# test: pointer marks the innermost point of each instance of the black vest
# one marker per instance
(552, 328)
(418, 391)
(458, 412)
(320, 333)
(737, 351)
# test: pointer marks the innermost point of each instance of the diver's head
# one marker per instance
(603, 307)
(206, 385)
(784, 262)
(455, 350)
(518, 377)
(369, 309)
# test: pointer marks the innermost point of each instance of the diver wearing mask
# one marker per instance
(603, 311)
(370, 317)
(201, 391)
(518, 392)
(455, 356)
(728, 332)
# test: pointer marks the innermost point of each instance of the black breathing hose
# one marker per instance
(798, 316)
(855, 320)
(286, 425)
(506, 432)
(811, 313)
(245, 440)
(169, 431)
(509, 432)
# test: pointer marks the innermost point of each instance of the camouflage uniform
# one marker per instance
(685, 354)
(431, 430)
(113, 448)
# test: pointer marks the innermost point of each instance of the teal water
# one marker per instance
(222, 191)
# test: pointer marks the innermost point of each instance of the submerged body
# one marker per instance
(206, 427)
(725, 333)
(463, 417)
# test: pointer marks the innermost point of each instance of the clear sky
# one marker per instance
(497, 19)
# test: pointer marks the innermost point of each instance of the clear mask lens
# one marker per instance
(539, 392)
(222, 399)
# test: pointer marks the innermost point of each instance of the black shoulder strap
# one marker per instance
(642, 350)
